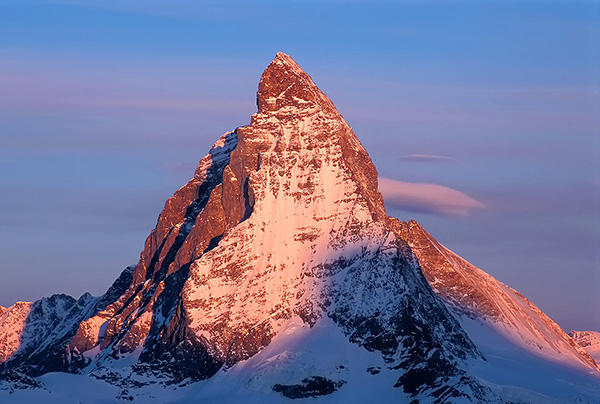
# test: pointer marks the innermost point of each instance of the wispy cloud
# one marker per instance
(428, 158)
(426, 198)
(54, 93)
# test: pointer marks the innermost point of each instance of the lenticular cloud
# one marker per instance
(426, 198)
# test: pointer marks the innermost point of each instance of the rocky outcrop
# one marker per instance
(589, 341)
(310, 387)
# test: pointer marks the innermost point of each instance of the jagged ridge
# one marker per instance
(34, 337)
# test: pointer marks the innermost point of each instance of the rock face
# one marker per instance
(12, 323)
(469, 291)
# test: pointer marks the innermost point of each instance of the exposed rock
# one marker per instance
(589, 341)
(310, 387)
(12, 380)
(12, 324)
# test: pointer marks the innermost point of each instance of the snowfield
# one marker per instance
(299, 352)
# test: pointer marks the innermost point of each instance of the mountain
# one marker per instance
(34, 336)
(276, 272)
(588, 340)
(282, 222)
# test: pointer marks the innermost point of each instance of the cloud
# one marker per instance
(58, 93)
(428, 158)
(426, 198)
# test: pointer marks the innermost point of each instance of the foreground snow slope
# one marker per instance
(300, 351)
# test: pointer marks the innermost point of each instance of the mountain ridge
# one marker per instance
(474, 293)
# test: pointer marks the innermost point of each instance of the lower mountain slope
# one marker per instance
(470, 292)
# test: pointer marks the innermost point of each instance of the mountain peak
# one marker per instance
(285, 58)
(284, 84)
(294, 114)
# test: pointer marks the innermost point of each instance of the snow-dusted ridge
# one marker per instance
(473, 293)
(275, 272)
(34, 336)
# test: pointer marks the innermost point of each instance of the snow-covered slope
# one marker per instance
(588, 340)
(473, 293)
(520, 374)
(351, 373)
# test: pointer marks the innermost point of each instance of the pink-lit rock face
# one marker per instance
(474, 293)
(303, 187)
(307, 186)
(12, 324)
(311, 191)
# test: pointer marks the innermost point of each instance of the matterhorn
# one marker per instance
(274, 274)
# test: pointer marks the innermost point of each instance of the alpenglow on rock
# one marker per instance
(275, 272)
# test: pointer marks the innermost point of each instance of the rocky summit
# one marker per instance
(274, 273)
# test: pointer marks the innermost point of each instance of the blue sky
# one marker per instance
(106, 108)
